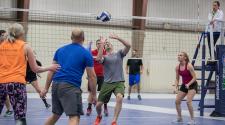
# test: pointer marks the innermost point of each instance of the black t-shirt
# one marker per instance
(134, 65)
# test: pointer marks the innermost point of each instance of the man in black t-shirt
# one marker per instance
(134, 68)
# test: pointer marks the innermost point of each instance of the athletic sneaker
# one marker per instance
(191, 122)
(106, 111)
(8, 113)
(89, 110)
(98, 120)
(128, 97)
(114, 123)
(178, 121)
(139, 97)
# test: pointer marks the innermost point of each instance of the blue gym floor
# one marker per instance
(153, 109)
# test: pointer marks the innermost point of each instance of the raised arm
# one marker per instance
(125, 43)
(89, 46)
(100, 51)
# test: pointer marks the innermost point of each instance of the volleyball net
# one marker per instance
(163, 38)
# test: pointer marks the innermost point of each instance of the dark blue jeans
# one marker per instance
(216, 36)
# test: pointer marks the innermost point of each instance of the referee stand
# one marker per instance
(217, 66)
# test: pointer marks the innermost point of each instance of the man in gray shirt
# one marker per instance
(113, 76)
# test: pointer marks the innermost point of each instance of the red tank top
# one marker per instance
(185, 74)
(98, 66)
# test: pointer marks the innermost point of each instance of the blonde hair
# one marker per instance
(16, 30)
(187, 57)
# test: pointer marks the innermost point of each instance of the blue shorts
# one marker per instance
(134, 79)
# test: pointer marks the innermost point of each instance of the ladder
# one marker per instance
(209, 67)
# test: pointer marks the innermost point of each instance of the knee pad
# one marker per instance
(21, 121)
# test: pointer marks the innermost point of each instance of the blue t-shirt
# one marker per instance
(73, 59)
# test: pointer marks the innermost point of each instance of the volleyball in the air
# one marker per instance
(104, 16)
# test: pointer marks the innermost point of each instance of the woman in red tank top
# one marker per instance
(188, 88)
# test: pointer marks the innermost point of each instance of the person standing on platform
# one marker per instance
(215, 18)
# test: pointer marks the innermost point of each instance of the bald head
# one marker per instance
(77, 35)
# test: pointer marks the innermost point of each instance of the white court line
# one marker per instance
(162, 110)
(171, 111)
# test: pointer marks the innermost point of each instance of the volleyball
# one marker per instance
(104, 16)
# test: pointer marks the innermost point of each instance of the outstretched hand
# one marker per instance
(102, 40)
(113, 36)
(43, 93)
(54, 67)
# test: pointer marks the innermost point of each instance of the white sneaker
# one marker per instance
(191, 122)
(178, 121)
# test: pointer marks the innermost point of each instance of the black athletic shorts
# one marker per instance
(66, 98)
(192, 86)
(100, 81)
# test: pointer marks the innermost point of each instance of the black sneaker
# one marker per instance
(139, 97)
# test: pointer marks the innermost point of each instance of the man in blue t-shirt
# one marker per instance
(66, 93)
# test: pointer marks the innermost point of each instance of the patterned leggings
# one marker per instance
(17, 96)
